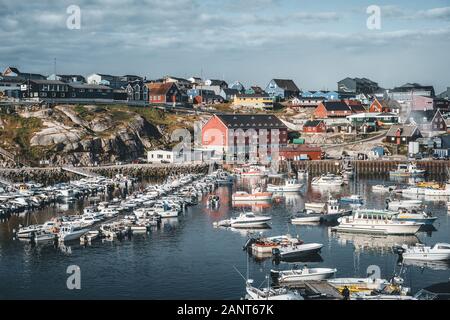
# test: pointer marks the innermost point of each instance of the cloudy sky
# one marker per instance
(316, 43)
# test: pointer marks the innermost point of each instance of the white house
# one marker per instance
(160, 156)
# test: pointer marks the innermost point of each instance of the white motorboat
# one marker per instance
(26, 232)
(407, 170)
(254, 293)
(291, 185)
(383, 188)
(328, 180)
(69, 233)
(304, 274)
(249, 220)
(168, 214)
(297, 250)
(43, 236)
(420, 252)
(307, 217)
(404, 204)
(375, 221)
(256, 195)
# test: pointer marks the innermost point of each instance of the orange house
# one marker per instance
(332, 109)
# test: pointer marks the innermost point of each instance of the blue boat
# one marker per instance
(353, 199)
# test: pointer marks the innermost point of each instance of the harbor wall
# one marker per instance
(367, 167)
(49, 176)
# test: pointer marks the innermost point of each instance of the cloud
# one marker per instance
(435, 13)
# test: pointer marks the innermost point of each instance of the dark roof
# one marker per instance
(389, 103)
(411, 86)
(358, 108)
(229, 91)
(312, 123)
(215, 82)
(247, 121)
(286, 84)
(10, 79)
(336, 106)
(38, 81)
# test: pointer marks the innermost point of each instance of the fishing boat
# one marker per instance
(420, 252)
(404, 204)
(407, 170)
(291, 185)
(377, 222)
(269, 293)
(353, 199)
(256, 195)
(297, 250)
(328, 180)
(304, 274)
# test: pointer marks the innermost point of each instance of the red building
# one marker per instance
(384, 105)
(301, 152)
(332, 109)
(314, 126)
(355, 106)
(163, 93)
(221, 132)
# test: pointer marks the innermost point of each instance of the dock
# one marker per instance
(316, 289)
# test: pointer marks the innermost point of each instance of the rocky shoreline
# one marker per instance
(49, 176)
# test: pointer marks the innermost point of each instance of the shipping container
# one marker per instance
(299, 141)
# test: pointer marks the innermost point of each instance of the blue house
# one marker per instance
(307, 94)
(331, 95)
(282, 89)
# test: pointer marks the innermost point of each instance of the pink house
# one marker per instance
(421, 103)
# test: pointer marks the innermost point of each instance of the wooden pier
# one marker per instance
(316, 289)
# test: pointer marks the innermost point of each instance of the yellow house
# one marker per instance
(259, 101)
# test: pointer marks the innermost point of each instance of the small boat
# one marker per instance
(89, 237)
(367, 286)
(304, 274)
(407, 170)
(420, 252)
(291, 185)
(383, 188)
(377, 222)
(249, 220)
(403, 204)
(43, 236)
(293, 251)
(256, 195)
(254, 293)
(328, 180)
(266, 245)
(354, 199)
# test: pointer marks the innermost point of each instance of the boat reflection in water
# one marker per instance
(380, 244)
(169, 223)
(311, 258)
(433, 265)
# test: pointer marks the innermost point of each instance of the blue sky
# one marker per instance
(316, 43)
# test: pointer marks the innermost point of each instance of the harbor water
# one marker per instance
(187, 258)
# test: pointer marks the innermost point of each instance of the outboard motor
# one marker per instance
(249, 243)
(276, 252)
